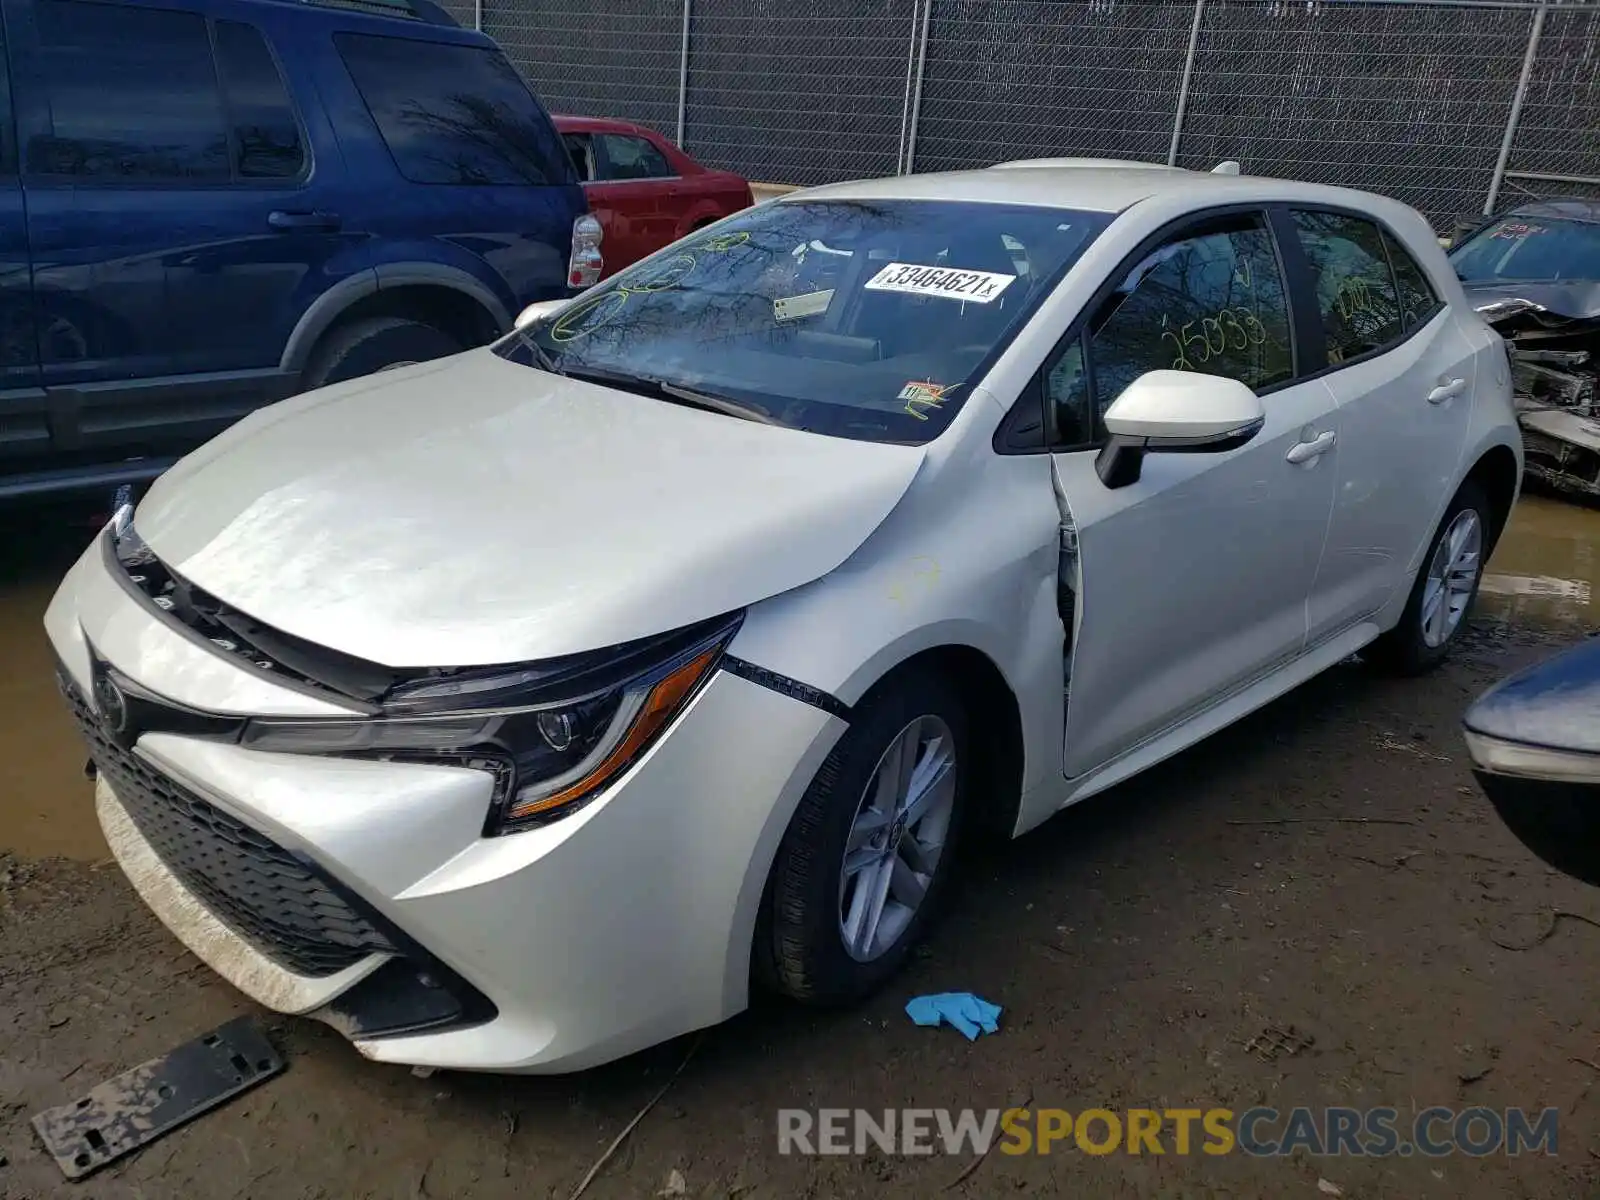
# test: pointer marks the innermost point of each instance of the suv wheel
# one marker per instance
(376, 344)
(1444, 590)
(869, 850)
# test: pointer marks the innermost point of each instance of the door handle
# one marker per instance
(1448, 390)
(1304, 452)
(286, 221)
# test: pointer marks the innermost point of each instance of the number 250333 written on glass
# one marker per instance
(1202, 339)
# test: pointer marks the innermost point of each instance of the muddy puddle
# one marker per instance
(46, 804)
(1546, 571)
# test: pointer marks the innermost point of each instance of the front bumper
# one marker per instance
(560, 947)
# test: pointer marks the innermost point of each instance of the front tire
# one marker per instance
(1442, 596)
(868, 854)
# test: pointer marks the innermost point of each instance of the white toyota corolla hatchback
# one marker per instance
(518, 710)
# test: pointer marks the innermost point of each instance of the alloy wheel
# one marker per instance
(1452, 578)
(897, 838)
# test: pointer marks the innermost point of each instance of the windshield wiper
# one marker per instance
(721, 404)
(541, 356)
(650, 386)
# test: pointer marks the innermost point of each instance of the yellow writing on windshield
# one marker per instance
(586, 315)
(718, 243)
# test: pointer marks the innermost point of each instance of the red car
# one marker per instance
(646, 192)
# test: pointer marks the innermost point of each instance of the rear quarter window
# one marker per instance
(1418, 301)
(454, 114)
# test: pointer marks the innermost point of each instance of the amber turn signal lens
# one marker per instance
(659, 707)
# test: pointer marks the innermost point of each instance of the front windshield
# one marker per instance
(1521, 249)
(868, 320)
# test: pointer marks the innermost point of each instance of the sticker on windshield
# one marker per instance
(792, 308)
(1513, 230)
(979, 287)
(919, 395)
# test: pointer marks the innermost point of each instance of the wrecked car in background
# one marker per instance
(1534, 274)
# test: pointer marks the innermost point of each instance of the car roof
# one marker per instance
(422, 16)
(1571, 210)
(567, 123)
(1088, 185)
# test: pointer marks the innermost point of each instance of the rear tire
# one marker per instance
(857, 806)
(376, 344)
(1444, 591)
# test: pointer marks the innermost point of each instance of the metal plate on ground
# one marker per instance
(138, 1106)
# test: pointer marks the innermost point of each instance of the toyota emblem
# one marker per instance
(113, 705)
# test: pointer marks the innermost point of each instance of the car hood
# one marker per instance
(475, 511)
(1549, 302)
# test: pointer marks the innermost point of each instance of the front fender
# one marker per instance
(971, 566)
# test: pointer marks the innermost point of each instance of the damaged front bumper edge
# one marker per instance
(382, 995)
(1555, 375)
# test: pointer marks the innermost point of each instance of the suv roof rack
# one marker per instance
(408, 10)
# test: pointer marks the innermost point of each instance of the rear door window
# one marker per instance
(1356, 292)
(629, 157)
(581, 151)
(266, 132)
(454, 114)
(131, 96)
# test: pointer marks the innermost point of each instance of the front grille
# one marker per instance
(236, 635)
(275, 901)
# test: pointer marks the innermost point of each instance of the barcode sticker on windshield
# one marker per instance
(979, 287)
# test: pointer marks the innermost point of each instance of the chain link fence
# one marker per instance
(1556, 149)
(1409, 100)
(595, 58)
(773, 82)
(1450, 105)
(1049, 78)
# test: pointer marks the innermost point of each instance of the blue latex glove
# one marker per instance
(965, 1011)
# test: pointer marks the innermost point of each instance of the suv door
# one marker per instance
(118, 118)
(164, 295)
(250, 258)
(24, 423)
(1191, 582)
(1403, 372)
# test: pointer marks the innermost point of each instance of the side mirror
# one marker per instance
(1175, 412)
(539, 311)
(1535, 748)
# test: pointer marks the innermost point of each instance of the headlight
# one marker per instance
(552, 734)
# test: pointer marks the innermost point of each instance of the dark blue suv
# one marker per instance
(209, 205)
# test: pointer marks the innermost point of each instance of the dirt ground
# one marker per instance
(1137, 943)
